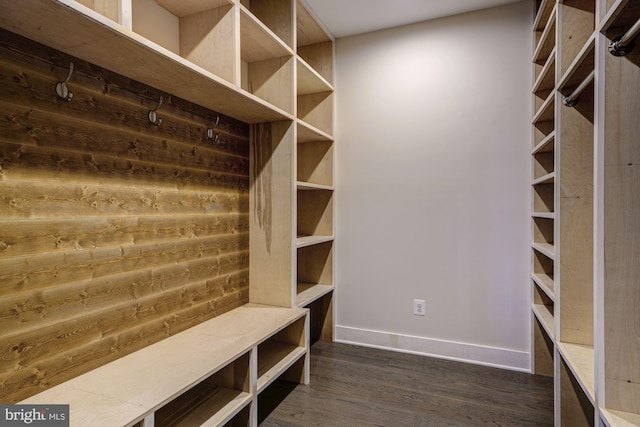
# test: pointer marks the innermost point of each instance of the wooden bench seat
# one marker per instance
(204, 375)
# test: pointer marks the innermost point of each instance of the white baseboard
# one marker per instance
(470, 353)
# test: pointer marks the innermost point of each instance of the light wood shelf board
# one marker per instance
(548, 215)
(309, 292)
(622, 14)
(546, 80)
(547, 41)
(308, 133)
(312, 187)
(545, 318)
(546, 112)
(109, 45)
(545, 248)
(222, 402)
(546, 179)
(614, 418)
(546, 145)
(182, 8)
(581, 362)
(581, 66)
(273, 359)
(257, 41)
(545, 282)
(542, 17)
(304, 241)
(132, 386)
(309, 30)
(309, 80)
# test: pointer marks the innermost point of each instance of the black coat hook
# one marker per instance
(153, 117)
(62, 90)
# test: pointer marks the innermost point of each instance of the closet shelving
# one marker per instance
(618, 219)
(585, 139)
(265, 62)
(314, 171)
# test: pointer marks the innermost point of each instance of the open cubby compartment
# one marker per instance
(543, 12)
(316, 109)
(620, 271)
(315, 213)
(315, 163)
(546, 81)
(577, 24)
(314, 45)
(542, 273)
(543, 160)
(200, 32)
(285, 349)
(545, 42)
(576, 196)
(314, 272)
(543, 350)
(277, 15)
(308, 80)
(216, 400)
(543, 230)
(267, 63)
(544, 119)
(111, 9)
(543, 198)
(580, 72)
(620, 16)
(543, 309)
(576, 385)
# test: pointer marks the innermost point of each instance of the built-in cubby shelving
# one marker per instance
(576, 26)
(543, 309)
(315, 272)
(545, 43)
(304, 241)
(575, 407)
(580, 360)
(546, 81)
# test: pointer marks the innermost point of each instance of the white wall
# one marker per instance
(433, 169)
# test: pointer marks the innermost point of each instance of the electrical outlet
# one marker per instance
(418, 307)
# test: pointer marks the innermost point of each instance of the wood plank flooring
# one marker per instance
(357, 386)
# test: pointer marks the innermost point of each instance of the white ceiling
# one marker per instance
(348, 17)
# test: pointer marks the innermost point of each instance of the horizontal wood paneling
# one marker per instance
(114, 233)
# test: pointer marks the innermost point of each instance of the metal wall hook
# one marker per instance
(62, 90)
(153, 117)
(210, 135)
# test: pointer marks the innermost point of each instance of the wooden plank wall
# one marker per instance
(114, 233)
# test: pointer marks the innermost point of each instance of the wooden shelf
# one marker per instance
(309, 81)
(309, 133)
(546, 111)
(620, 17)
(613, 418)
(580, 68)
(545, 318)
(547, 41)
(547, 79)
(304, 241)
(548, 215)
(274, 358)
(546, 179)
(203, 405)
(545, 282)
(543, 14)
(545, 248)
(310, 32)
(277, 15)
(258, 42)
(103, 42)
(307, 186)
(546, 145)
(580, 360)
(309, 292)
(576, 27)
(181, 8)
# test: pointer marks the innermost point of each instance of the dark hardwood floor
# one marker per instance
(357, 386)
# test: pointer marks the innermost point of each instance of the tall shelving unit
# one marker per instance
(269, 63)
(586, 211)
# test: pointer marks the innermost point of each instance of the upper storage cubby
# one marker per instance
(545, 42)
(202, 32)
(276, 15)
(577, 23)
(267, 60)
(111, 9)
(314, 45)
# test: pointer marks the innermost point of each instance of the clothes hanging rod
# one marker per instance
(624, 44)
(572, 99)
